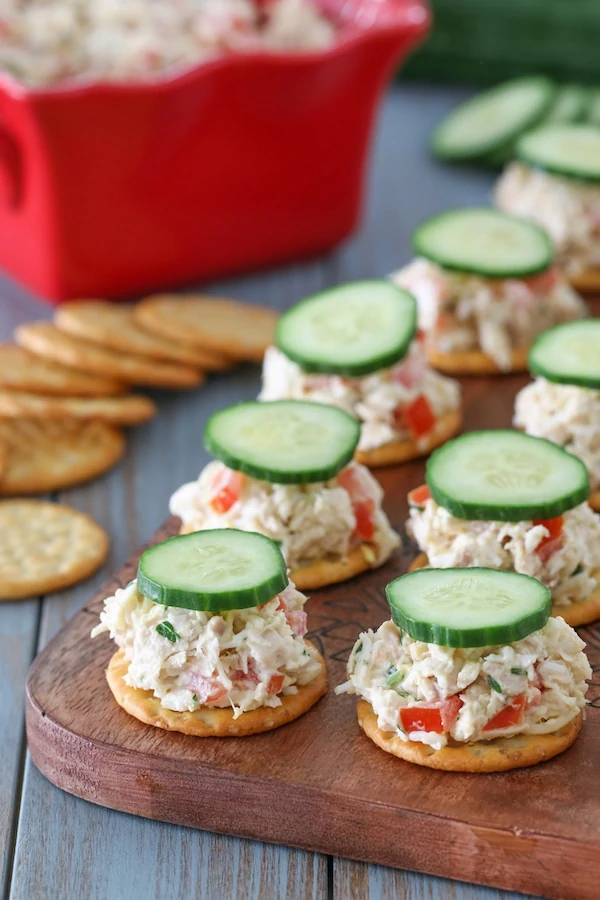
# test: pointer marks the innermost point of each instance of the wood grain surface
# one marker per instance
(54, 846)
(318, 783)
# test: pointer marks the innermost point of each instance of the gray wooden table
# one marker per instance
(56, 847)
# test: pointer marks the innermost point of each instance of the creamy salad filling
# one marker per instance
(563, 553)
(241, 659)
(310, 521)
(565, 414)
(395, 404)
(436, 695)
(568, 209)
(46, 41)
(461, 312)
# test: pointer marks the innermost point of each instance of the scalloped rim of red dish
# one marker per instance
(412, 15)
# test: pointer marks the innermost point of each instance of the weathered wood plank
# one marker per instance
(18, 626)
(84, 851)
(18, 633)
(358, 881)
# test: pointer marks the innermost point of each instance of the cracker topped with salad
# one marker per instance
(506, 500)
(562, 404)
(211, 638)
(486, 286)
(470, 674)
(555, 181)
(286, 469)
(356, 346)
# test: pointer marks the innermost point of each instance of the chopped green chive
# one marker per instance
(518, 671)
(195, 697)
(358, 647)
(494, 685)
(166, 630)
(578, 570)
(393, 677)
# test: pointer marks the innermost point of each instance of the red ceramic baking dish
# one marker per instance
(246, 160)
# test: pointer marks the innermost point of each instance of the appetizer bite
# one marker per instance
(486, 286)
(211, 638)
(563, 403)
(556, 182)
(355, 346)
(285, 469)
(506, 500)
(470, 674)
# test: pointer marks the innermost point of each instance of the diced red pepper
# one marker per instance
(421, 718)
(419, 496)
(438, 717)
(418, 416)
(509, 716)
(275, 683)
(227, 489)
(450, 709)
(207, 690)
(544, 282)
(351, 482)
(364, 512)
(363, 505)
(410, 371)
(553, 541)
(296, 619)
(250, 677)
(443, 322)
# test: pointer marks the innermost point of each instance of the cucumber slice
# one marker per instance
(493, 118)
(570, 104)
(351, 330)
(485, 242)
(569, 150)
(593, 110)
(283, 441)
(505, 476)
(569, 354)
(213, 571)
(468, 607)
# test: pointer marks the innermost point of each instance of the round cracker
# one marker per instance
(239, 330)
(115, 326)
(398, 452)
(580, 613)
(498, 755)
(594, 500)
(330, 570)
(46, 547)
(475, 362)
(21, 370)
(210, 721)
(3, 457)
(48, 456)
(48, 341)
(129, 410)
(587, 282)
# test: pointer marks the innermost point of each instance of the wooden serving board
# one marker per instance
(319, 783)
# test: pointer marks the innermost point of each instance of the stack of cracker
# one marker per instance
(65, 386)
(65, 394)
